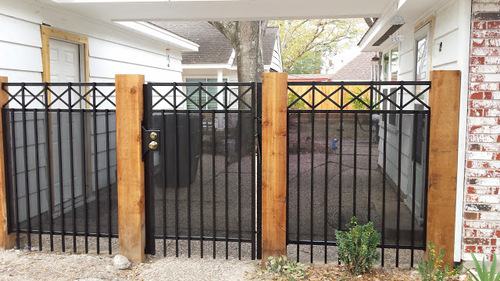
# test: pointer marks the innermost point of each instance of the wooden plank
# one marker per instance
(444, 100)
(7, 241)
(131, 193)
(274, 116)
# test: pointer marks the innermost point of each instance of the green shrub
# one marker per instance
(432, 269)
(284, 268)
(482, 271)
(358, 246)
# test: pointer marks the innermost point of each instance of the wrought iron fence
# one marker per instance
(357, 149)
(60, 149)
(201, 183)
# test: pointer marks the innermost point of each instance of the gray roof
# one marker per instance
(357, 69)
(214, 47)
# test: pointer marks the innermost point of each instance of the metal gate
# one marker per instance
(202, 175)
(357, 149)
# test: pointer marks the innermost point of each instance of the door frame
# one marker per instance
(48, 33)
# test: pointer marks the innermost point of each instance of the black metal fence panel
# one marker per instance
(60, 149)
(201, 181)
(359, 153)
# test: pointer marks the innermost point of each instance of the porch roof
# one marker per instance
(202, 10)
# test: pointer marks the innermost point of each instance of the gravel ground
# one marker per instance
(20, 265)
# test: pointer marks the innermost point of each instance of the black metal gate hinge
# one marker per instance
(150, 140)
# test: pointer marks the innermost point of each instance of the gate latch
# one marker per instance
(150, 140)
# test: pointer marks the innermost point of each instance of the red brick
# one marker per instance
(487, 95)
(476, 95)
(485, 34)
(477, 241)
(476, 78)
(476, 112)
(491, 60)
(491, 25)
(478, 42)
(470, 216)
(476, 60)
(479, 25)
(485, 52)
(492, 43)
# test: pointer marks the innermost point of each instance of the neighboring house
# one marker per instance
(416, 37)
(42, 42)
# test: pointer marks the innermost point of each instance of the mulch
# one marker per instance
(336, 272)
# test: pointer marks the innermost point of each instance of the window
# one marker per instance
(390, 65)
(213, 90)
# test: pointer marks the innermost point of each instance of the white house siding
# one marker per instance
(449, 26)
(112, 50)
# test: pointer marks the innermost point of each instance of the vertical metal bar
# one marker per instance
(287, 175)
(253, 145)
(341, 140)
(240, 120)
(400, 143)
(48, 157)
(150, 177)
(370, 140)
(214, 217)
(354, 176)
(384, 175)
(96, 167)
(71, 166)
(298, 184)
(9, 142)
(176, 192)
(312, 173)
(38, 184)
(84, 178)
(257, 108)
(414, 153)
(163, 167)
(14, 176)
(188, 126)
(325, 195)
(108, 182)
(26, 179)
(427, 124)
(200, 111)
(61, 185)
(226, 180)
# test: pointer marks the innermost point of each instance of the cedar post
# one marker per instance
(131, 193)
(274, 150)
(7, 240)
(444, 100)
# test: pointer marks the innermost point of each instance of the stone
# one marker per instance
(121, 262)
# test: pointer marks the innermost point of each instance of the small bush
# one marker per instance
(284, 268)
(358, 246)
(482, 271)
(432, 269)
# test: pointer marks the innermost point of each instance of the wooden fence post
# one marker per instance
(7, 241)
(444, 100)
(131, 194)
(274, 121)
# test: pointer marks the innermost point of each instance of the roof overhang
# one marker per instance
(201, 10)
(377, 39)
(161, 34)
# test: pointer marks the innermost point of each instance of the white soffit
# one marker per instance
(141, 10)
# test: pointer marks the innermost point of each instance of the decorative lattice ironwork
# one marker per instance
(60, 95)
(202, 96)
(365, 96)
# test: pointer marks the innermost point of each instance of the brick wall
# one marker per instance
(482, 190)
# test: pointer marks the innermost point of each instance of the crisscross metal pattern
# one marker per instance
(176, 96)
(372, 91)
(60, 95)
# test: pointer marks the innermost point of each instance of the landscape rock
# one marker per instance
(121, 262)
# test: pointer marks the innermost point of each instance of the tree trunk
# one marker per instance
(246, 40)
